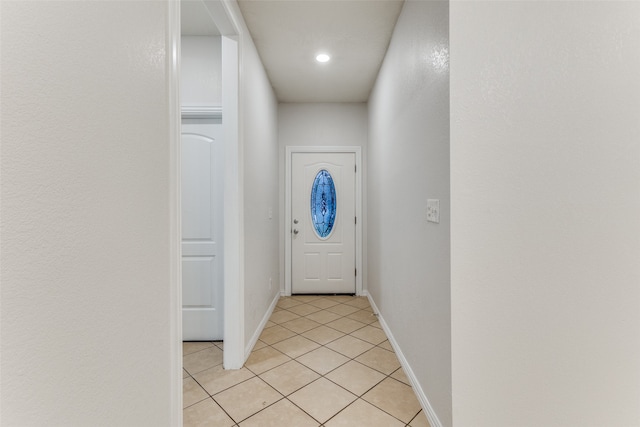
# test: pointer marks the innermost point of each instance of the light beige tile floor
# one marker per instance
(320, 361)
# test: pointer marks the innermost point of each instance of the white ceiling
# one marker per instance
(289, 34)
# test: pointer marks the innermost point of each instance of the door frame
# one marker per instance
(287, 211)
(234, 355)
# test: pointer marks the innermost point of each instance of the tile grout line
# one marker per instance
(321, 375)
(282, 397)
(358, 397)
(326, 324)
(386, 376)
(325, 346)
(321, 346)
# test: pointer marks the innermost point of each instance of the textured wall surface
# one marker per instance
(85, 215)
(408, 257)
(200, 71)
(259, 135)
(545, 184)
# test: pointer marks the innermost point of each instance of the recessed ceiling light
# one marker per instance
(323, 57)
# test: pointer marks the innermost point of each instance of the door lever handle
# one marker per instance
(295, 231)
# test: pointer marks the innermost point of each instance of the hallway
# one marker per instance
(321, 360)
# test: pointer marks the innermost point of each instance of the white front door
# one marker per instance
(202, 230)
(323, 223)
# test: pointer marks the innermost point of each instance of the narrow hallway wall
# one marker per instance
(408, 257)
(86, 219)
(545, 178)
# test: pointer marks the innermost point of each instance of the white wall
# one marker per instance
(545, 178)
(200, 71)
(85, 243)
(408, 257)
(319, 124)
(259, 139)
(322, 124)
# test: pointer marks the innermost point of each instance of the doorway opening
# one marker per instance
(212, 18)
(219, 19)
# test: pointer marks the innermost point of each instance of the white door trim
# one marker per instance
(234, 261)
(175, 231)
(287, 211)
(233, 355)
(202, 112)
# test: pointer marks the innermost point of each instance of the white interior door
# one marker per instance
(323, 223)
(202, 231)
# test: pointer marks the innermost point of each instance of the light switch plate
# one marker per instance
(433, 210)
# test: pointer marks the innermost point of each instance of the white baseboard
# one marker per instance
(422, 397)
(254, 339)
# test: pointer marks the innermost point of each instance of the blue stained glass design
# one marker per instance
(323, 203)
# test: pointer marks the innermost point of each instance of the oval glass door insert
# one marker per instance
(323, 203)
